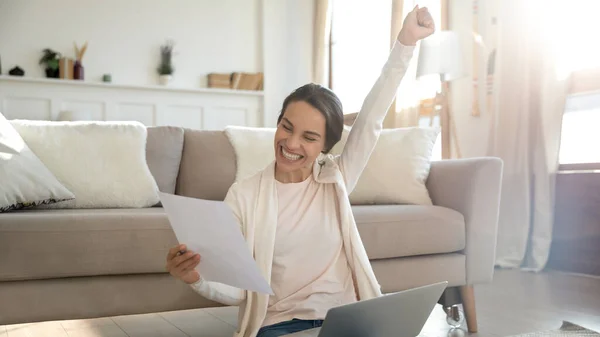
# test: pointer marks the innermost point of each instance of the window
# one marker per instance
(579, 134)
(570, 28)
(361, 44)
(578, 60)
(360, 41)
(579, 26)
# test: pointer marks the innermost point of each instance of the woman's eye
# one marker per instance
(310, 139)
(287, 128)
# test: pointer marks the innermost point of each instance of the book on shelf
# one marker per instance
(65, 68)
(251, 81)
(216, 80)
(236, 81)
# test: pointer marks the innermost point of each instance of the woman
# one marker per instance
(295, 214)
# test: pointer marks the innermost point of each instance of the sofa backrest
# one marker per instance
(208, 165)
(163, 154)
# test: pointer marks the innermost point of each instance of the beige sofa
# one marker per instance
(83, 263)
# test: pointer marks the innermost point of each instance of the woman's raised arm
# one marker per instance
(364, 134)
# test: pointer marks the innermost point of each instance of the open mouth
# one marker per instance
(290, 156)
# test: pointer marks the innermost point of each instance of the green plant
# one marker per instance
(50, 59)
(166, 59)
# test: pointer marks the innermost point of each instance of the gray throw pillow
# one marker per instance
(164, 147)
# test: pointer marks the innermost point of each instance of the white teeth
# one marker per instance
(290, 156)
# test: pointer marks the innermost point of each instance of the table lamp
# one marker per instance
(440, 54)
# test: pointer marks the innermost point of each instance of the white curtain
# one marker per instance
(322, 28)
(525, 130)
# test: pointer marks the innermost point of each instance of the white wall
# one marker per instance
(288, 51)
(125, 35)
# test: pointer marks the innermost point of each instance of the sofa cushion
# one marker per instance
(41, 244)
(38, 244)
(24, 180)
(253, 148)
(410, 272)
(395, 173)
(208, 165)
(389, 231)
(397, 168)
(164, 146)
(102, 162)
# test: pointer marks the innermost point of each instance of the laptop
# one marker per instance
(400, 314)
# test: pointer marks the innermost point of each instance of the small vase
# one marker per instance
(165, 79)
(78, 71)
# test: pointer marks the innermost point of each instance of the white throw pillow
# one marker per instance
(102, 163)
(395, 174)
(254, 149)
(24, 180)
(398, 168)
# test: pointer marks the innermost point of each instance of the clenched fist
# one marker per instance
(417, 25)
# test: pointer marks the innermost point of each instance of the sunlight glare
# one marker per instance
(571, 26)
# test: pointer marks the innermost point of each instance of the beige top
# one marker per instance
(310, 272)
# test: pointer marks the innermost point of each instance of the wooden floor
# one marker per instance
(515, 303)
(520, 302)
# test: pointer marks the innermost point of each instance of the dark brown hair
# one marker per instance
(327, 102)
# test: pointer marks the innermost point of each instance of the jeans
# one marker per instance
(287, 327)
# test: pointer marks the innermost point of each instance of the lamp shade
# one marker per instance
(441, 54)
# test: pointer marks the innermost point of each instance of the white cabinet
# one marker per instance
(54, 99)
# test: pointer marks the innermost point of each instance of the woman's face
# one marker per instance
(300, 137)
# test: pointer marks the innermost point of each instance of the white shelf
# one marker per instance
(52, 81)
(196, 108)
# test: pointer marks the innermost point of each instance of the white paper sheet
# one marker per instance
(210, 229)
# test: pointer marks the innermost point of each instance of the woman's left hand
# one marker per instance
(417, 25)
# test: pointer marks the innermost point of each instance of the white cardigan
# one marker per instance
(254, 202)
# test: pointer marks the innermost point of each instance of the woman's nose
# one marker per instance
(293, 142)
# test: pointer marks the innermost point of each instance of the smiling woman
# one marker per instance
(311, 122)
(296, 213)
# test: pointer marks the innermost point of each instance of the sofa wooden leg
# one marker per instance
(467, 294)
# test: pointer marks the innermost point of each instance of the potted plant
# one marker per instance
(165, 68)
(50, 60)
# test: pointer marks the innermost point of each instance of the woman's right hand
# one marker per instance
(183, 266)
(417, 25)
